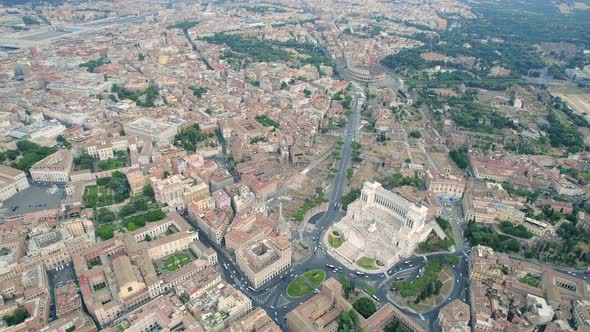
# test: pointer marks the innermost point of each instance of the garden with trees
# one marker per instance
(191, 137)
(365, 307)
(479, 234)
(255, 50)
(26, 154)
(266, 121)
(90, 65)
(18, 316)
(143, 98)
(348, 321)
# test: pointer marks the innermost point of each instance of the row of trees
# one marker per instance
(398, 179)
(518, 230)
(185, 25)
(310, 203)
(29, 153)
(350, 197)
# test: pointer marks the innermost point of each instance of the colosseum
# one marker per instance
(366, 73)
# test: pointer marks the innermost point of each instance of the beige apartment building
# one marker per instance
(264, 260)
(454, 317)
(12, 181)
(213, 222)
(104, 150)
(151, 129)
(320, 313)
(53, 168)
(169, 191)
(445, 186)
(119, 275)
(257, 320)
(581, 315)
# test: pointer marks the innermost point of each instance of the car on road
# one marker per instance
(399, 278)
(393, 289)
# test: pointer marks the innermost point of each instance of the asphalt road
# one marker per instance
(272, 296)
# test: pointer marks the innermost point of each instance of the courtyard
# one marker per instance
(177, 261)
(174, 262)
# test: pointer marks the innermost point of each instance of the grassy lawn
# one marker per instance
(96, 196)
(316, 277)
(367, 263)
(298, 288)
(334, 241)
(530, 280)
(111, 164)
(177, 261)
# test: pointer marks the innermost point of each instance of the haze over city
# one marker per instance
(288, 165)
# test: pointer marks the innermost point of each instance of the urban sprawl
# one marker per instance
(297, 166)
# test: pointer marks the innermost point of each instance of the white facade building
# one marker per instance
(53, 168)
(381, 225)
(152, 130)
(12, 181)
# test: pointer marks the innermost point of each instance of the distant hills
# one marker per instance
(36, 2)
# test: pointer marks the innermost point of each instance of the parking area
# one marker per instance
(58, 277)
